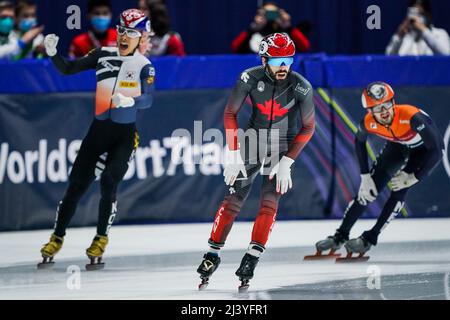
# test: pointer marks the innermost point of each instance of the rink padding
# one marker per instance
(221, 72)
(41, 132)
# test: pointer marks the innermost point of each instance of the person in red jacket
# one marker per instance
(269, 19)
(100, 34)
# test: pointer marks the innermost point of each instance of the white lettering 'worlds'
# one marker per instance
(53, 163)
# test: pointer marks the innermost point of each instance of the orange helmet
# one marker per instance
(376, 93)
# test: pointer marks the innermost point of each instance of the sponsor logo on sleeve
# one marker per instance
(302, 90)
(151, 75)
(421, 127)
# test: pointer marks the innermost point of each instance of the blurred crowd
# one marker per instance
(21, 34)
(417, 35)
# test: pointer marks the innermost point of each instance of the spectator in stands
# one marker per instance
(269, 18)
(100, 34)
(417, 35)
(26, 13)
(13, 44)
(163, 40)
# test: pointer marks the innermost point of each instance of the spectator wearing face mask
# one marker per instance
(269, 19)
(26, 16)
(13, 44)
(100, 34)
(417, 35)
(162, 41)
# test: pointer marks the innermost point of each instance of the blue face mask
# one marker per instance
(100, 23)
(26, 24)
(6, 25)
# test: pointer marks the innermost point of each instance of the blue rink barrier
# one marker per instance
(220, 72)
(44, 116)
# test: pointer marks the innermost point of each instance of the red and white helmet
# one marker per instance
(135, 19)
(277, 45)
(376, 93)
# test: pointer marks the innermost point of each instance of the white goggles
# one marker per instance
(385, 105)
(131, 33)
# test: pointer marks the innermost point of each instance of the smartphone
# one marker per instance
(272, 15)
(413, 12)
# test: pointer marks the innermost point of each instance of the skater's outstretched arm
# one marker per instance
(432, 140)
(360, 148)
(234, 104)
(64, 65)
(307, 128)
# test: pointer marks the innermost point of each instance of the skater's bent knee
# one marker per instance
(74, 191)
(268, 207)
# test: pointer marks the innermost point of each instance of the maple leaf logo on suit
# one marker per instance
(266, 109)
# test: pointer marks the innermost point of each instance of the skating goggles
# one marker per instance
(131, 33)
(386, 105)
(278, 62)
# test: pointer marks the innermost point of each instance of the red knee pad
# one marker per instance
(222, 224)
(263, 225)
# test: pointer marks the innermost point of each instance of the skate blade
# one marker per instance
(352, 259)
(243, 288)
(204, 284)
(95, 266)
(45, 265)
(320, 256)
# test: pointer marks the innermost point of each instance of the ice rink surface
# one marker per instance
(411, 261)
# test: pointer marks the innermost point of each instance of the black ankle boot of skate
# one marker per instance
(369, 238)
(247, 267)
(209, 264)
(340, 238)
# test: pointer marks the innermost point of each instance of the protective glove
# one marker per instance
(121, 101)
(403, 180)
(233, 166)
(50, 43)
(367, 190)
(283, 172)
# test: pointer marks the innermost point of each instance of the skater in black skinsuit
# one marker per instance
(279, 96)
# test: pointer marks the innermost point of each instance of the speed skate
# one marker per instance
(332, 243)
(358, 246)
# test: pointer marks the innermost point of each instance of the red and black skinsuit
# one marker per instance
(276, 106)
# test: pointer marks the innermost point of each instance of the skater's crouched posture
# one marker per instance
(278, 96)
(124, 85)
(413, 148)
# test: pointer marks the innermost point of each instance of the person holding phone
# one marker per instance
(417, 35)
(269, 19)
